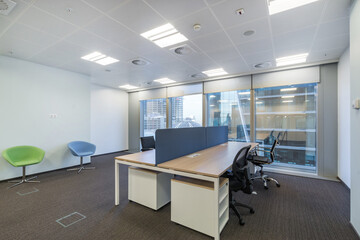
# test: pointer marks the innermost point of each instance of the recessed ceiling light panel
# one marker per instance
(290, 60)
(164, 80)
(288, 89)
(277, 6)
(215, 72)
(99, 58)
(164, 36)
(128, 87)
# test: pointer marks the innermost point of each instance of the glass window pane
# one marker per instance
(230, 109)
(154, 115)
(289, 115)
(186, 111)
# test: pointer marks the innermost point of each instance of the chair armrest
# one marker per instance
(261, 150)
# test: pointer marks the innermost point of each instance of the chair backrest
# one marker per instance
(147, 143)
(79, 147)
(240, 170)
(22, 153)
(272, 150)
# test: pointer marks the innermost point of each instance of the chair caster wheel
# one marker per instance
(266, 187)
(278, 185)
(252, 211)
(242, 223)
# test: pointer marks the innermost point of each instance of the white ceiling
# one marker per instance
(45, 32)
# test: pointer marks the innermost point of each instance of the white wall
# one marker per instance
(344, 106)
(109, 119)
(29, 92)
(355, 114)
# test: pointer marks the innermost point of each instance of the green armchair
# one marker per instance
(22, 156)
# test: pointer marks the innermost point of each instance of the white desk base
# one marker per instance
(215, 180)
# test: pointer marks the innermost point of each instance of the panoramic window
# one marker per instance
(230, 109)
(186, 111)
(153, 115)
(289, 115)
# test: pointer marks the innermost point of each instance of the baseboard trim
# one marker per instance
(341, 181)
(103, 154)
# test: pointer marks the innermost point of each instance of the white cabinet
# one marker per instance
(192, 204)
(149, 188)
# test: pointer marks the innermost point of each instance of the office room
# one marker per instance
(179, 119)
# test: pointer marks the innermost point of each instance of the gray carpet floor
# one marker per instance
(302, 208)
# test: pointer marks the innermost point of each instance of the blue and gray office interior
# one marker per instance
(179, 119)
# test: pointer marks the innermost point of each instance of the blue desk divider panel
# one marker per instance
(177, 142)
(216, 135)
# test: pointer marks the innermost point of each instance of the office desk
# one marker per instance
(208, 164)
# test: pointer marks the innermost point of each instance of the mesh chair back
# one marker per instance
(241, 171)
(147, 142)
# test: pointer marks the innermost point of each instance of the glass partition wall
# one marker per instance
(185, 111)
(289, 115)
(154, 115)
(230, 109)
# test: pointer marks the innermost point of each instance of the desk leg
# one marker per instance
(117, 190)
(216, 192)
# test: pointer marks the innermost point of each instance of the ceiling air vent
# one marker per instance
(140, 62)
(262, 65)
(6, 6)
(183, 50)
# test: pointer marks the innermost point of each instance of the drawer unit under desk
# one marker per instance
(192, 204)
(149, 188)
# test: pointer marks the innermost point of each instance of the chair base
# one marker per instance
(17, 183)
(79, 169)
(233, 204)
(265, 178)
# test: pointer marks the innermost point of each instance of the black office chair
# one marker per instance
(260, 161)
(239, 179)
(147, 143)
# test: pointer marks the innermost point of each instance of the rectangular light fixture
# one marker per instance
(99, 58)
(288, 89)
(287, 101)
(128, 87)
(277, 6)
(290, 60)
(164, 36)
(244, 93)
(215, 72)
(212, 96)
(164, 80)
(259, 102)
(289, 96)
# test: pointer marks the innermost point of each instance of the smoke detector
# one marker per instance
(140, 62)
(183, 50)
(6, 6)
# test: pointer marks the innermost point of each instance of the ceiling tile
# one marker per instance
(260, 45)
(46, 22)
(223, 54)
(235, 66)
(340, 41)
(19, 48)
(336, 9)
(261, 28)
(260, 57)
(138, 16)
(173, 9)
(293, 50)
(79, 15)
(204, 18)
(90, 41)
(326, 54)
(105, 5)
(26, 33)
(333, 28)
(297, 18)
(4, 23)
(212, 41)
(226, 11)
(289, 39)
(213, 2)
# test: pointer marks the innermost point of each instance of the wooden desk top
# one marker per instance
(147, 158)
(211, 162)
